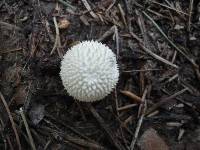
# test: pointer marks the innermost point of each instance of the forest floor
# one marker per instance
(156, 104)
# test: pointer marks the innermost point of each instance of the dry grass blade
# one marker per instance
(122, 14)
(83, 143)
(178, 11)
(190, 14)
(139, 123)
(117, 40)
(69, 127)
(158, 57)
(11, 120)
(107, 33)
(11, 50)
(116, 102)
(126, 107)
(9, 142)
(57, 43)
(67, 4)
(111, 5)
(157, 105)
(106, 129)
(5, 138)
(89, 9)
(27, 129)
(10, 26)
(141, 70)
(151, 53)
(172, 44)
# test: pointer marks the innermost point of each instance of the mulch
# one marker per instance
(156, 101)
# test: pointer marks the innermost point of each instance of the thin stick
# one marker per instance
(131, 95)
(71, 128)
(89, 9)
(57, 43)
(11, 50)
(158, 57)
(157, 105)
(141, 70)
(6, 137)
(106, 129)
(67, 4)
(122, 14)
(83, 143)
(10, 26)
(174, 56)
(139, 124)
(116, 102)
(11, 120)
(117, 40)
(178, 11)
(190, 14)
(9, 142)
(27, 129)
(127, 107)
(172, 78)
(111, 5)
(151, 53)
(107, 33)
(172, 44)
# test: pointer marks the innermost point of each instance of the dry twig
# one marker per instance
(117, 40)
(11, 50)
(178, 11)
(126, 107)
(151, 53)
(67, 4)
(27, 129)
(57, 43)
(107, 33)
(190, 14)
(157, 105)
(10, 26)
(134, 97)
(89, 9)
(106, 129)
(191, 60)
(11, 120)
(139, 123)
(122, 14)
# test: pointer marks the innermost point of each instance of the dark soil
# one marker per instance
(157, 44)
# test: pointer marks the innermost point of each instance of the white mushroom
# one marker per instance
(89, 71)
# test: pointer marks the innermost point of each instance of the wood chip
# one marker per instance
(131, 95)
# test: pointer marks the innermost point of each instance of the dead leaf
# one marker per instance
(63, 23)
(150, 140)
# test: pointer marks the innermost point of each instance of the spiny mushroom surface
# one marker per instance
(89, 71)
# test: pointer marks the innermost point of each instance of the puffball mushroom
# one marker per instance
(89, 71)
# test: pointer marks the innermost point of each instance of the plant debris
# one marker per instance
(156, 43)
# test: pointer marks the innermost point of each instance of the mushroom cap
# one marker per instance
(89, 71)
